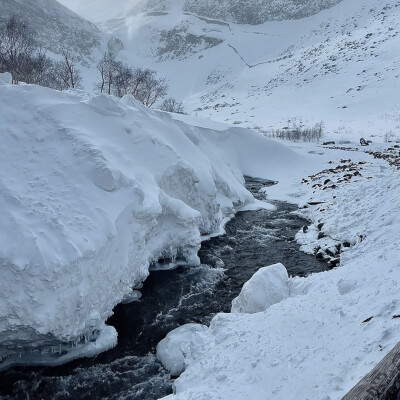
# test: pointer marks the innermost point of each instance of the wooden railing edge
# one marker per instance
(382, 383)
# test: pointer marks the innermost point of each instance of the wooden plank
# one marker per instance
(382, 383)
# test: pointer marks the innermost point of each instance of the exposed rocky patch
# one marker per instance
(323, 245)
(179, 43)
(257, 11)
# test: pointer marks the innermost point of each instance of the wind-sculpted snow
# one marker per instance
(92, 190)
(257, 11)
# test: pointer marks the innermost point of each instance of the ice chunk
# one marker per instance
(170, 351)
(269, 285)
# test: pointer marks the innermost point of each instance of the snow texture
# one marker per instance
(268, 286)
(94, 189)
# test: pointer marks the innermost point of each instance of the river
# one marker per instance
(170, 299)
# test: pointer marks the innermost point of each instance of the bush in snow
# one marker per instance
(172, 105)
(295, 131)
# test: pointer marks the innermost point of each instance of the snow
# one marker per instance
(5, 78)
(171, 350)
(319, 340)
(268, 286)
(339, 66)
(94, 189)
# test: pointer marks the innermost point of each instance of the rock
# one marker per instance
(268, 286)
(334, 263)
(321, 256)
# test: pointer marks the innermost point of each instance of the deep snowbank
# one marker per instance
(322, 340)
(92, 190)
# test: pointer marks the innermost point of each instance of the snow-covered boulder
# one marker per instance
(268, 286)
(5, 78)
(171, 350)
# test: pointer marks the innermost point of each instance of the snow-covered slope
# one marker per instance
(57, 27)
(257, 11)
(92, 190)
(339, 66)
(317, 343)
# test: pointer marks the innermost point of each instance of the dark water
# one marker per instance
(254, 239)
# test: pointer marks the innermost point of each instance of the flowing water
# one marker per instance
(170, 299)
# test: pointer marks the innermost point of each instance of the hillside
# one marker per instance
(339, 66)
(57, 27)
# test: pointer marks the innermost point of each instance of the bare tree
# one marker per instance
(147, 87)
(17, 47)
(140, 76)
(106, 67)
(40, 73)
(119, 79)
(65, 74)
(172, 105)
(123, 79)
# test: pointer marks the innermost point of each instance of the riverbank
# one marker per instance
(171, 298)
(336, 325)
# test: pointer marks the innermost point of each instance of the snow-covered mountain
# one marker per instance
(339, 66)
(257, 11)
(57, 27)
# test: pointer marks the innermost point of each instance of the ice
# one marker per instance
(135, 295)
(171, 350)
(268, 286)
(61, 353)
